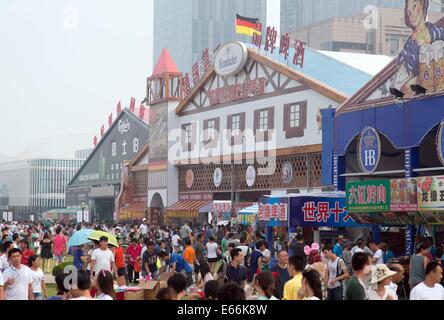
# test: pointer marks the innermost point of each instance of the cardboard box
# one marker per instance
(134, 295)
(165, 276)
(151, 288)
(163, 284)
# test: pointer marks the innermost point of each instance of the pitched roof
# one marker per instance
(125, 111)
(165, 64)
(357, 101)
(140, 155)
(326, 68)
(311, 82)
(368, 63)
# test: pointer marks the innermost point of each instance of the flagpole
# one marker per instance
(235, 26)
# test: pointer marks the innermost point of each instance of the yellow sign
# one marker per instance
(129, 215)
(192, 214)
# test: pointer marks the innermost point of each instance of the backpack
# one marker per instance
(339, 272)
(222, 273)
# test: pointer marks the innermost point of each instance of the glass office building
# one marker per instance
(187, 27)
(36, 185)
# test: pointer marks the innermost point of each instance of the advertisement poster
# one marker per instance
(431, 193)
(273, 212)
(368, 196)
(158, 133)
(403, 195)
(320, 212)
(396, 195)
(421, 62)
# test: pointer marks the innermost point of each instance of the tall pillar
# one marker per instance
(338, 170)
(411, 163)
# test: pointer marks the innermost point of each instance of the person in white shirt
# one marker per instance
(143, 228)
(430, 288)
(378, 257)
(246, 250)
(2, 284)
(4, 257)
(16, 240)
(38, 278)
(175, 240)
(185, 232)
(381, 278)
(102, 258)
(212, 253)
(396, 279)
(17, 278)
(361, 247)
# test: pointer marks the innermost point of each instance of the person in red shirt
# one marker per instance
(26, 252)
(119, 258)
(133, 254)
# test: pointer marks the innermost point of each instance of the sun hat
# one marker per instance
(381, 272)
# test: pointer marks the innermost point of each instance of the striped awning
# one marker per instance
(188, 209)
(133, 211)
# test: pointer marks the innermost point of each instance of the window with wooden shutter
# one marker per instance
(263, 124)
(236, 128)
(188, 137)
(295, 119)
(211, 133)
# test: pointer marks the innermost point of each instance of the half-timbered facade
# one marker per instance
(250, 133)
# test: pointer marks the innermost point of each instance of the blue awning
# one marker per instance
(250, 210)
(404, 124)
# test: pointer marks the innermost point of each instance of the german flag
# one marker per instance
(246, 25)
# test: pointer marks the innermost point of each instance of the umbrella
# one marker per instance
(79, 238)
(96, 235)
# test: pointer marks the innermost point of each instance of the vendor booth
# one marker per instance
(281, 216)
(391, 130)
(247, 216)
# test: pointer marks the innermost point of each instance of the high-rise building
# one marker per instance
(296, 14)
(350, 33)
(187, 27)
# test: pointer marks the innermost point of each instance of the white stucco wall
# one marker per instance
(311, 136)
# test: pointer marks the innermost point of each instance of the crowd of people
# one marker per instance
(207, 263)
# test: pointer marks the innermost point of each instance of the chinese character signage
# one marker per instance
(273, 212)
(250, 88)
(368, 196)
(431, 193)
(320, 212)
(190, 214)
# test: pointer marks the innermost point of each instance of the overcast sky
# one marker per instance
(64, 65)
